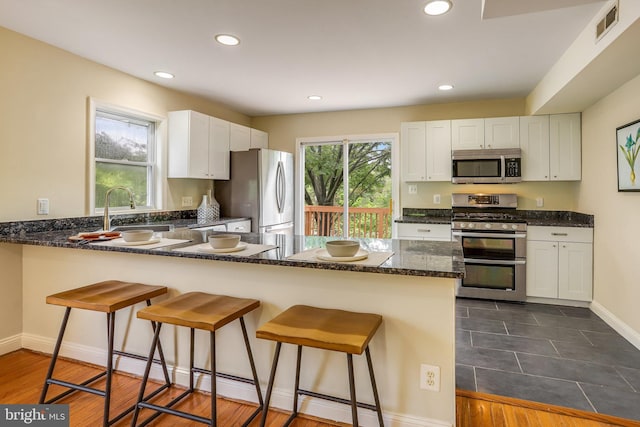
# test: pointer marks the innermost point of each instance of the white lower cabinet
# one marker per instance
(440, 232)
(560, 263)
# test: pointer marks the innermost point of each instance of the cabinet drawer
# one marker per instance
(239, 226)
(560, 234)
(424, 231)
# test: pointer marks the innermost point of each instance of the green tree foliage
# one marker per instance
(113, 174)
(369, 174)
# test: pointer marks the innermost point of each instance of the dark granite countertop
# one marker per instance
(531, 217)
(414, 258)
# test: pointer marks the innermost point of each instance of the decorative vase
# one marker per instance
(215, 206)
(205, 211)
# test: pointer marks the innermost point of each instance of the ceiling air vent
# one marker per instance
(607, 21)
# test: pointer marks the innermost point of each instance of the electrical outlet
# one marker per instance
(413, 189)
(430, 377)
(436, 199)
(187, 201)
(43, 206)
(539, 202)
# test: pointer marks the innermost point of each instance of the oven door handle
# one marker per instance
(493, 235)
(495, 261)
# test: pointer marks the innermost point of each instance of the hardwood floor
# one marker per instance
(22, 374)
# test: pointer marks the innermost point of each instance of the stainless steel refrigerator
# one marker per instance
(261, 188)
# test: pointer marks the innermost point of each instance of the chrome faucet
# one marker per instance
(106, 222)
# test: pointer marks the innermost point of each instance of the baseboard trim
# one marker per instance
(280, 399)
(9, 344)
(616, 323)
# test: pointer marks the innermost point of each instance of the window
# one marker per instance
(124, 153)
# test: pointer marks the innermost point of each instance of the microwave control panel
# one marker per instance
(512, 167)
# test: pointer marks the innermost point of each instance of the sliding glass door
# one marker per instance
(347, 187)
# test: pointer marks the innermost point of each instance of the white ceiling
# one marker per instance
(354, 53)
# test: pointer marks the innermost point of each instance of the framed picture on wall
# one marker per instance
(628, 146)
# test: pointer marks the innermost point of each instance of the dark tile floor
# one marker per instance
(552, 354)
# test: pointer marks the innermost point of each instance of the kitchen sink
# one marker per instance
(154, 227)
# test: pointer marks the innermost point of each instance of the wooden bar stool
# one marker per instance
(198, 310)
(107, 297)
(327, 329)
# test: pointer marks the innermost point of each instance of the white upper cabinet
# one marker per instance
(565, 161)
(196, 149)
(439, 150)
(218, 148)
(551, 147)
(258, 139)
(502, 132)
(240, 139)
(467, 134)
(413, 145)
(534, 143)
(426, 151)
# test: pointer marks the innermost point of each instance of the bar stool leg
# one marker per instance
(270, 386)
(107, 391)
(374, 387)
(54, 356)
(214, 403)
(254, 373)
(191, 360)
(165, 371)
(352, 390)
(145, 377)
(296, 388)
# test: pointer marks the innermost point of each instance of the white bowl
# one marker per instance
(342, 248)
(137, 235)
(224, 241)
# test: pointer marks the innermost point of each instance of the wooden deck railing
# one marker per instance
(363, 222)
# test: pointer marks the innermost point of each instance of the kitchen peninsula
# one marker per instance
(413, 290)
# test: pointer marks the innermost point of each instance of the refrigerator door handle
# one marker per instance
(280, 187)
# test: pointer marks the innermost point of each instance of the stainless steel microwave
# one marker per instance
(491, 166)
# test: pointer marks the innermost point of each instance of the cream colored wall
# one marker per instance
(11, 300)
(283, 131)
(43, 137)
(617, 230)
(418, 325)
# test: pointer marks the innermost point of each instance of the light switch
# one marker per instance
(43, 206)
(436, 199)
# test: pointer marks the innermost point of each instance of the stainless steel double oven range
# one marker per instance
(494, 244)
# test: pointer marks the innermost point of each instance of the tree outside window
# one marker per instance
(124, 155)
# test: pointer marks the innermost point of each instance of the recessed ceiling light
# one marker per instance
(227, 39)
(314, 97)
(437, 7)
(445, 87)
(164, 74)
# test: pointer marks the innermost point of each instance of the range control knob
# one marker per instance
(514, 226)
(487, 226)
(471, 225)
(505, 226)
